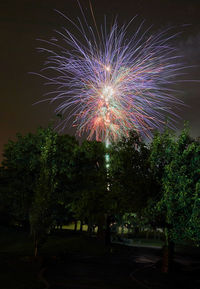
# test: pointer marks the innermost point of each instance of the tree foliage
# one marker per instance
(50, 179)
(89, 202)
(131, 180)
(176, 164)
(41, 210)
(21, 166)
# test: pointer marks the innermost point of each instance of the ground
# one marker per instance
(71, 260)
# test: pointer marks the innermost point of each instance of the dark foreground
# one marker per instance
(74, 261)
(134, 268)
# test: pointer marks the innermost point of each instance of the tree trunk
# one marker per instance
(101, 228)
(168, 254)
(75, 225)
(89, 227)
(107, 231)
(26, 225)
(35, 245)
(81, 226)
(136, 232)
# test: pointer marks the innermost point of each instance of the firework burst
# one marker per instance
(108, 83)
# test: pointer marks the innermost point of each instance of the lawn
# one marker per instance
(71, 259)
(18, 268)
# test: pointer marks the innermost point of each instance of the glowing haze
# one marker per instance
(107, 82)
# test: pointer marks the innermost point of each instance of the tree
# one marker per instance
(181, 189)
(161, 149)
(130, 174)
(21, 163)
(21, 170)
(41, 211)
(130, 178)
(176, 166)
(90, 179)
(64, 195)
(6, 202)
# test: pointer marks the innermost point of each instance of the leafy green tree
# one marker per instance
(193, 228)
(176, 166)
(41, 212)
(65, 191)
(181, 189)
(90, 179)
(21, 170)
(161, 149)
(21, 163)
(130, 174)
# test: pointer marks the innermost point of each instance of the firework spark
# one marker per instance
(109, 83)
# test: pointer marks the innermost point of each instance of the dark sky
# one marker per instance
(23, 21)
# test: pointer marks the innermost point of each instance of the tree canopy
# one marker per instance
(51, 177)
(176, 164)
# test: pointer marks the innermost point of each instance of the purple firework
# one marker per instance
(109, 83)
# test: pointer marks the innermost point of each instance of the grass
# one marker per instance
(16, 271)
(14, 242)
(72, 243)
(18, 274)
(17, 243)
(18, 268)
(72, 227)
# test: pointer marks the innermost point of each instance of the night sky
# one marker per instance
(22, 22)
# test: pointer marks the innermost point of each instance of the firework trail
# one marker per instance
(108, 83)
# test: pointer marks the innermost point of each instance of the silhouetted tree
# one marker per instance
(41, 211)
(176, 166)
(90, 176)
(130, 174)
(21, 160)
